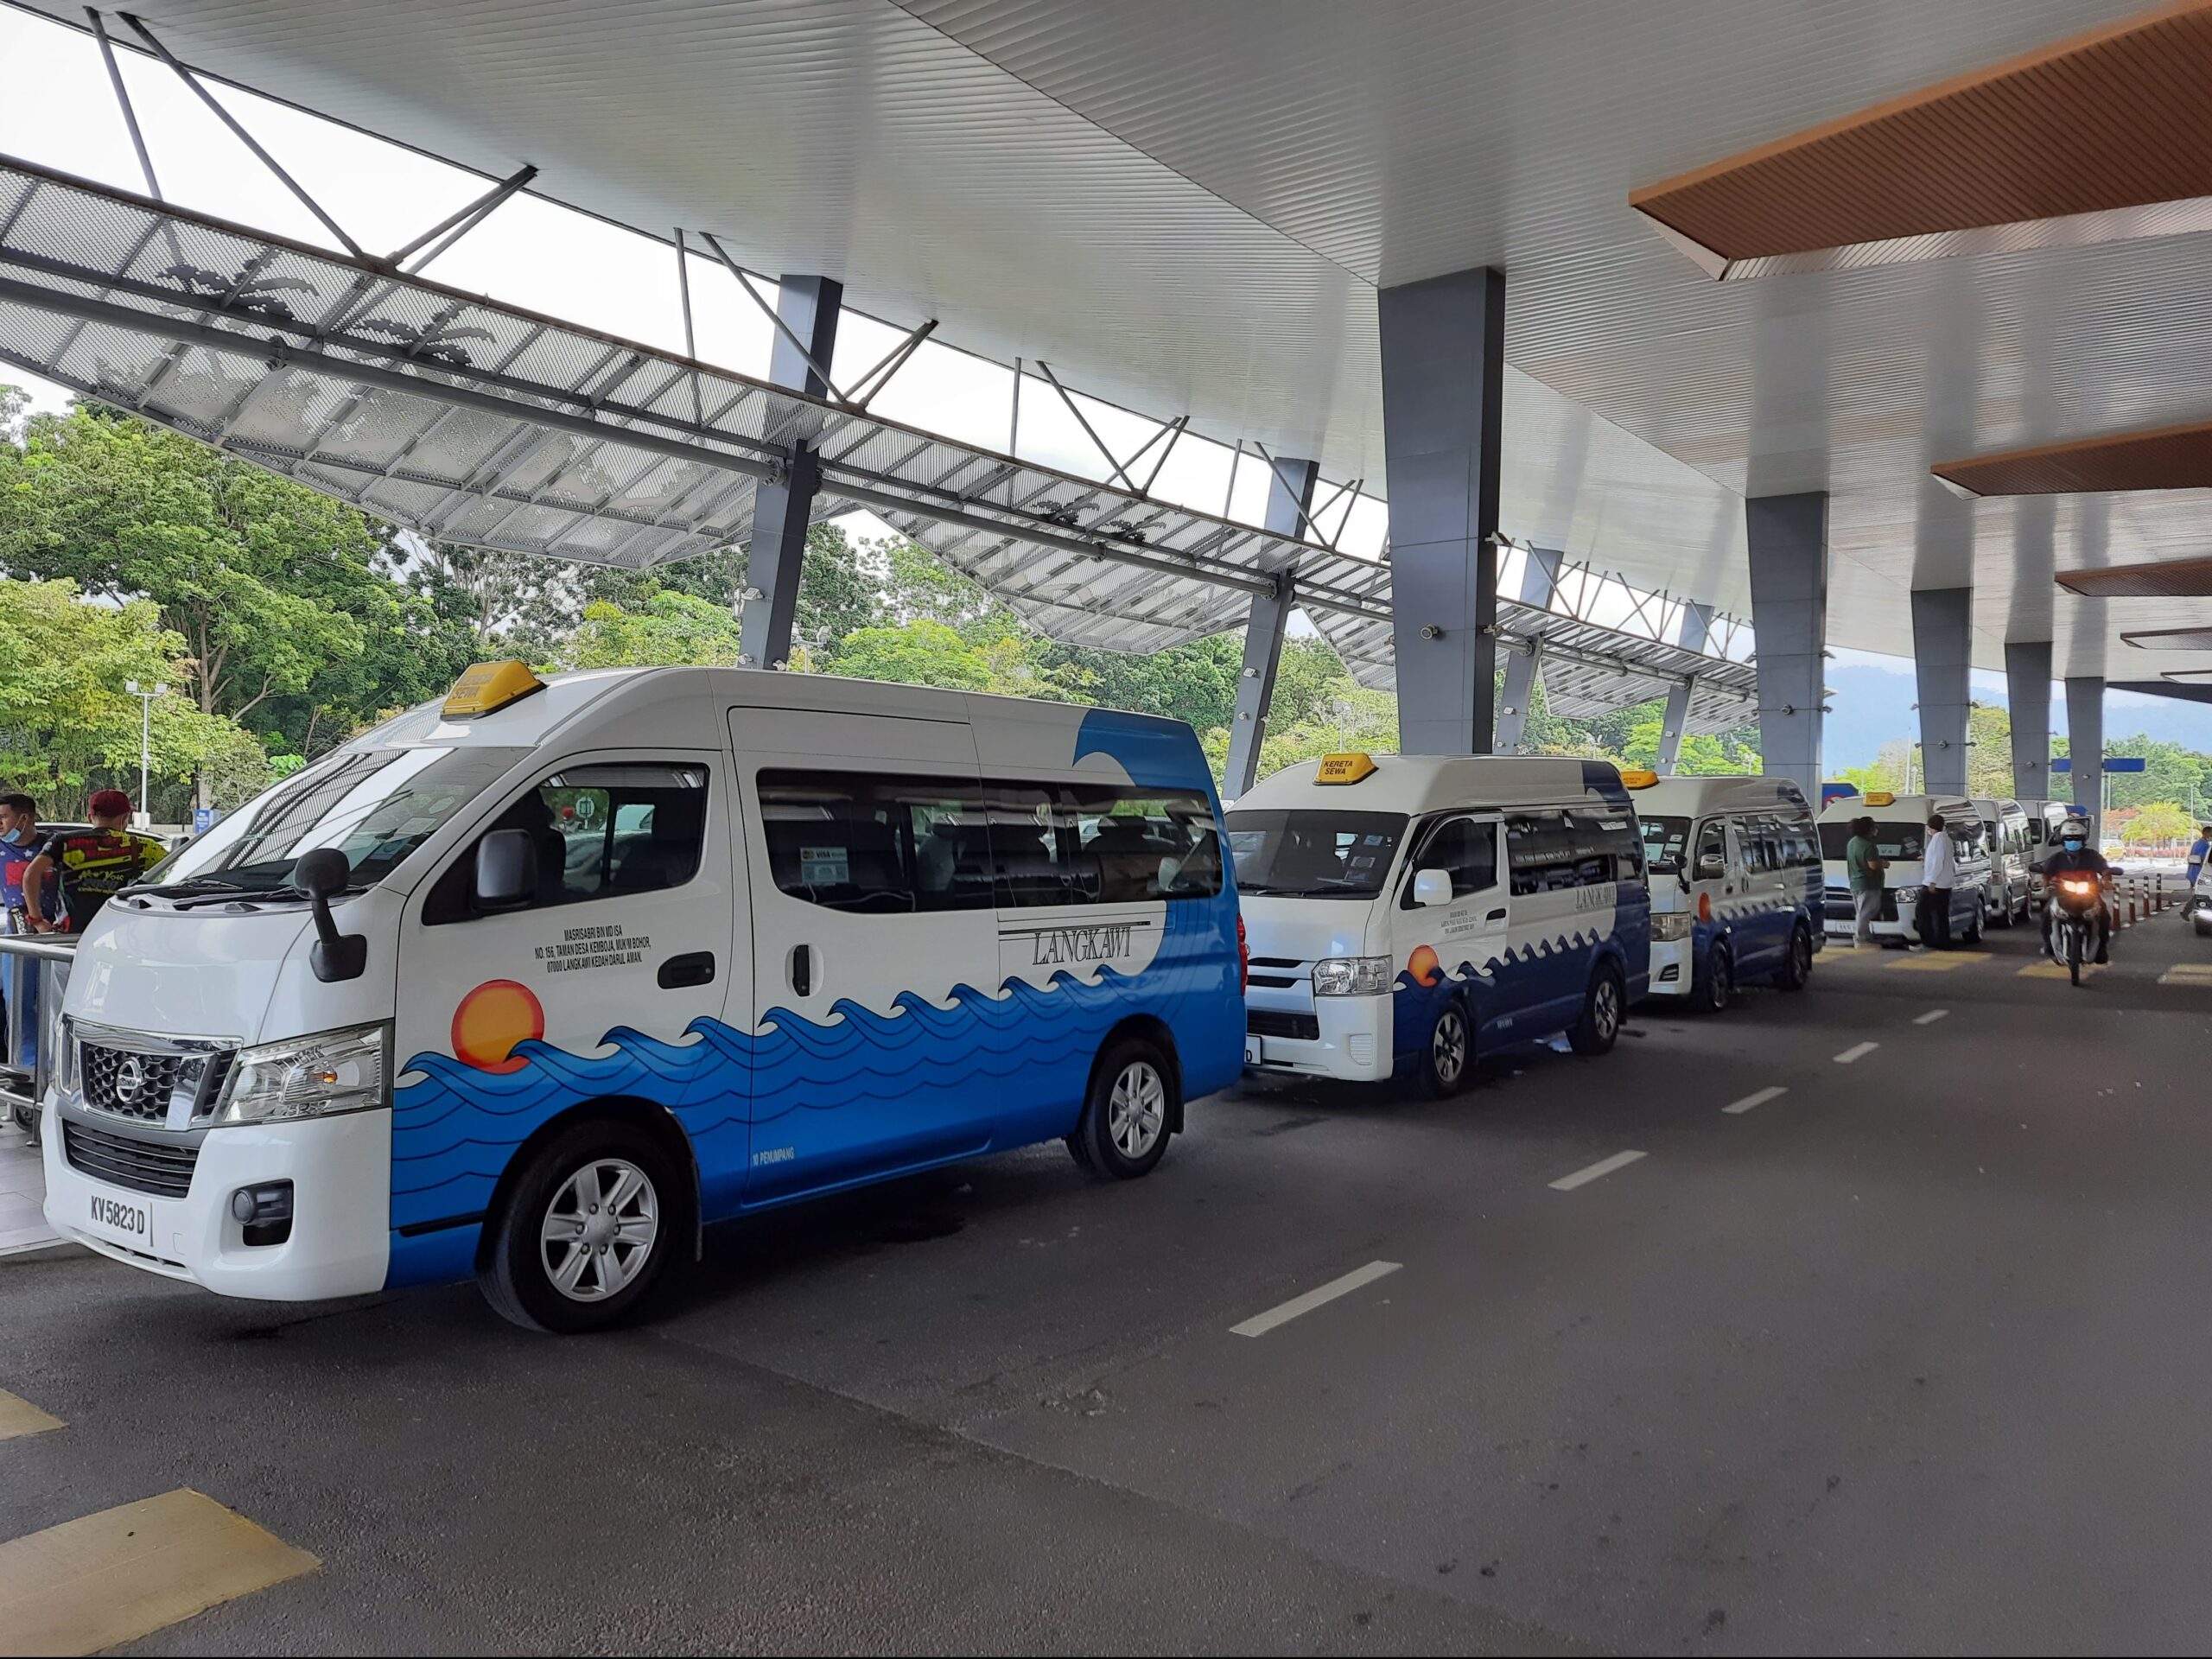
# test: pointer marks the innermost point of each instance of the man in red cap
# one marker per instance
(90, 867)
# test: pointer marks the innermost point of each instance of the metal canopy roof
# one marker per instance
(1188, 207)
(470, 422)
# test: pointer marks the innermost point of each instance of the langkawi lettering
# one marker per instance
(1094, 944)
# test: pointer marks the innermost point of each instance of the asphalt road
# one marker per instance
(1917, 1354)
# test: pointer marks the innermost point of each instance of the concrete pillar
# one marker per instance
(1520, 692)
(1789, 539)
(1942, 652)
(1443, 396)
(1290, 496)
(808, 307)
(1672, 726)
(2027, 694)
(1695, 633)
(2085, 742)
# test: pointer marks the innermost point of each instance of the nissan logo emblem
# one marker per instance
(129, 1078)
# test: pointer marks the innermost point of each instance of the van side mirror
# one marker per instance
(1713, 864)
(506, 870)
(1432, 887)
(334, 955)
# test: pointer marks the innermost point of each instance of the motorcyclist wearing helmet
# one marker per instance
(2075, 857)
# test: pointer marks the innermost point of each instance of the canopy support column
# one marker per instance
(807, 308)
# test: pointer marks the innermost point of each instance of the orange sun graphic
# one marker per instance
(491, 1020)
(1424, 966)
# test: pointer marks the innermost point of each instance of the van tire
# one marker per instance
(598, 1152)
(1973, 935)
(1132, 1087)
(1604, 1007)
(1453, 1034)
(1714, 988)
(1797, 965)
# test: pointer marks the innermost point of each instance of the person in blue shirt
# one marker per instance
(2197, 854)
(18, 846)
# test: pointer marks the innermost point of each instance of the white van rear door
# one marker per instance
(872, 918)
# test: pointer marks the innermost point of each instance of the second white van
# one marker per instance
(1736, 880)
(1901, 837)
(1407, 911)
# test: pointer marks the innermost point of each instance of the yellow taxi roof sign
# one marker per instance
(490, 686)
(1344, 768)
(1880, 797)
(1638, 778)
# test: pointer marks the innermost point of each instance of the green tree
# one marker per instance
(921, 652)
(66, 725)
(243, 565)
(2158, 823)
(672, 628)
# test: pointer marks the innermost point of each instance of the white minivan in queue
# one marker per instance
(1901, 837)
(2011, 848)
(1406, 912)
(1736, 883)
(535, 983)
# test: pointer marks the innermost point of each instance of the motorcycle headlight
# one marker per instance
(1352, 976)
(1668, 925)
(332, 1071)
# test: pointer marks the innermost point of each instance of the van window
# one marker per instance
(1547, 851)
(1466, 850)
(1891, 840)
(601, 831)
(1663, 841)
(1711, 842)
(855, 842)
(1313, 853)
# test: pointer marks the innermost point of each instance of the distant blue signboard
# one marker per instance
(1830, 791)
(2112, 763)
(203, 819)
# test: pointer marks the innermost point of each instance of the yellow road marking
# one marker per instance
(2055, 970)
(2188, 973)
(128, 1572)
(19, 1416)
(1938, 961)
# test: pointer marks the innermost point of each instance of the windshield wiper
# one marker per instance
(171, 889)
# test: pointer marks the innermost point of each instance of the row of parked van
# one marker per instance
(535, 981)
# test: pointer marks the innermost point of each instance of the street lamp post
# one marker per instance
(145, 741)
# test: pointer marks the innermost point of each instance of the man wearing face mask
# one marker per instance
(18, 846)
(2075, 855)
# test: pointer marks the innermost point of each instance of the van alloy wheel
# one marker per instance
(1138, 1108)
(599, 1231)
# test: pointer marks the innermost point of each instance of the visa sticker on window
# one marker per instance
(824, 867)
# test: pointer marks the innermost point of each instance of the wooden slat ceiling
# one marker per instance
(2113, 119)
(2170, 639)
(2171, 458)
(2174, 578)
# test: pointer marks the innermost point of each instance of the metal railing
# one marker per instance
(33, 975)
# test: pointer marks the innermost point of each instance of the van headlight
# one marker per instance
(1908, 895)
(332, 1071)
(1352, 976)
(1671, 925)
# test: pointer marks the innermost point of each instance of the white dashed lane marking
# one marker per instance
(1930, 1017)
(1602, 1166)
(1260, 1323)
(1855, 1053)
(1758, 1099)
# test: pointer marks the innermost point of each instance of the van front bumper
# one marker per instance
(1350, 1038)
(1672, 968)
(339, 1168)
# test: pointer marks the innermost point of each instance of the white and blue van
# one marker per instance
(1407, 912)
(1736, 884)
(535, 983)
(1901, 837)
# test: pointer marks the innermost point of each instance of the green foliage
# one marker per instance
(2157, 823)
(671, 628)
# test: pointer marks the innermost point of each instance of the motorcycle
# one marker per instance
(2078, 899)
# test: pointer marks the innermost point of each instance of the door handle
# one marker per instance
(693, 968)
(1495, 916)
(802, 970)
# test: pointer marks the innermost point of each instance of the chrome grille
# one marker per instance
(163, 1169)
(142, 1084)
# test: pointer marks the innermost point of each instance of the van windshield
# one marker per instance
(1308, 854)
(1664, 839)
(376, 806)
(1890, 841)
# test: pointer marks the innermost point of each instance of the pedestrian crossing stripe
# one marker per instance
(110, 1577)
(18, 1416)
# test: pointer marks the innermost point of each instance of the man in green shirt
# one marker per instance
(1866, 866)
